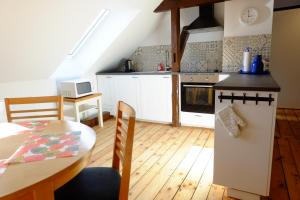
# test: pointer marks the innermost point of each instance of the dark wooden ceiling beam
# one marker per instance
(172, 4)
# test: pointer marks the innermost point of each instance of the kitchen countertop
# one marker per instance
(136, 73)
(236, 81)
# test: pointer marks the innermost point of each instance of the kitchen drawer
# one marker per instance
(197, 119)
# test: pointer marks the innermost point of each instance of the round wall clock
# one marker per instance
(249, 16)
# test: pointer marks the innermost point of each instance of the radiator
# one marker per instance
(2, 111)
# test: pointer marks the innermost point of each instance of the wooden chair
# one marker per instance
(12, 114)
(102, 182)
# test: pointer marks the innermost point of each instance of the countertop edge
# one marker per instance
(135, 73)
(247, 89)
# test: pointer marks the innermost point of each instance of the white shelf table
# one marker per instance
(83, 104)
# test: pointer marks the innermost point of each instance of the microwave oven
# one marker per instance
(76, 88)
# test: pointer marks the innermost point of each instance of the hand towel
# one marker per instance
(231, 121)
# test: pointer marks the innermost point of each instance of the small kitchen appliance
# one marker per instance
(128, 66)
(76, 88)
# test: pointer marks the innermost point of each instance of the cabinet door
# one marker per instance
(156, 99)
(244, 163)
(106, 87)
(126, 89)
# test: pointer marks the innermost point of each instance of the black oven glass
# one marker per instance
(83, 87)
(197, 98)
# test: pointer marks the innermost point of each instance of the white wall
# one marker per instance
(162, 33)
(45, 87)
(285, 60)
(233, 9)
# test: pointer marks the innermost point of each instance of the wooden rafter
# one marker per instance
(178, 44)
(172, 4)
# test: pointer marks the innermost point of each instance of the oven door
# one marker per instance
(198, 98)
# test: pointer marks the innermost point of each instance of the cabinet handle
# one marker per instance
(108, 77)
(166, 77)
(134, 77)
(198, 116)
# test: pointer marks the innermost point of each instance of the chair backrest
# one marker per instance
(13, 114)
(123, 145)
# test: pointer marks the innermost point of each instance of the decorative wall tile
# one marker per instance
(197, 57)
(233, 48)
(226, 55)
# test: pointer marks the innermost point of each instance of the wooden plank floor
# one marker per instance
(177, 163)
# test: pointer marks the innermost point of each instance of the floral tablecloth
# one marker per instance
(35, 125)
(44, 147)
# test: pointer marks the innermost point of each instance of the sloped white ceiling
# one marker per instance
(122, 31)
(36, 35)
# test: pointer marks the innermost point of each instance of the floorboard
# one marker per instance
(177, 163)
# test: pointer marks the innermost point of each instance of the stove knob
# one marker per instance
(191, 79)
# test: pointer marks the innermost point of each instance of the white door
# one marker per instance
(106, 87)
(156, 98)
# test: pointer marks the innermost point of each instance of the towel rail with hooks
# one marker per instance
(245, 98)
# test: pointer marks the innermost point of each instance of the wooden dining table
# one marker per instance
(38, 180)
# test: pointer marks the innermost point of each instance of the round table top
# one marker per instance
(22, 175)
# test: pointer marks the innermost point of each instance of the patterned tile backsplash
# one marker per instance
(233, 50)
(197, 57)
(223, 55)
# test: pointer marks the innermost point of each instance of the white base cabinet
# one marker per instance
(149, 95)
(244, 163)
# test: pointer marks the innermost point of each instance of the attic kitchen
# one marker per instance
(215, 74)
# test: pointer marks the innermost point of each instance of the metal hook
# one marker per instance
(221, 97)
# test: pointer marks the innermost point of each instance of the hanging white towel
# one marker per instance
(231, 121)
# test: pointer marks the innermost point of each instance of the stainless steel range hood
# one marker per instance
(206, 21)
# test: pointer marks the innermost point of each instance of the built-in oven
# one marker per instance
(197, 92)
(197, 97)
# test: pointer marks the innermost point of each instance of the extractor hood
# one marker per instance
(206, 21)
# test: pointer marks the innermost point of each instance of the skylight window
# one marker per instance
(103, 14)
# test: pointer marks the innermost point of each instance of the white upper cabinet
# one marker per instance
(149, 95)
